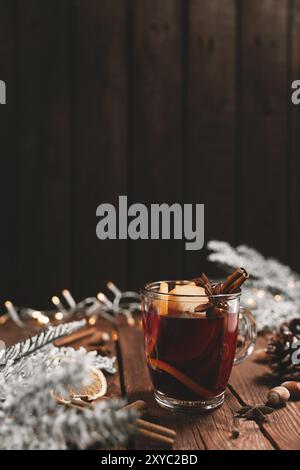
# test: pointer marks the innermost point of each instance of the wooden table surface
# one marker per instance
(249, 384)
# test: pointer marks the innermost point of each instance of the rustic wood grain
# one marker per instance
(100, 135)
(263, 150)
(9, 150)
(251, 383)
(43, 138)
(214, 431)
(209, 169)
(55, 218)
(294, 133)
(204, 431)
(136, 377)
(156, 143)
(143, 99)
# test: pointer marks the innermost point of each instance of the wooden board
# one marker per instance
(209, 431)
(156, 147)
(249, 383)
(263, 147)
(294, 133)
(100, 141)
(210, 160)
(166, 101)
(43, 136)
(9, 190)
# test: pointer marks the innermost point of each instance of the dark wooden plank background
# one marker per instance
(165, 101)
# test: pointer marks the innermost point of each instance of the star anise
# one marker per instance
(257, 413)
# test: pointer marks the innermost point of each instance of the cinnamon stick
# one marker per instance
(155, 436)
(235, 287)
(234, 281)
(189, 383)
(203, 307)
(145, 428)
(156, 428)
(75, 337)
(139, 405)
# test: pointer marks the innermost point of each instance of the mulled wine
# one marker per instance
(190, 330)
(190, 358)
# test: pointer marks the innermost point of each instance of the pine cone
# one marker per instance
(280, 350)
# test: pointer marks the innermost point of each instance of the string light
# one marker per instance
(36, 314)
(251, 302)
(102, 298)
(69, 298)
(123, 303)
(3, 319)
(260, 294)
(277, 298)
(43, 319)
(92, 320)
(57, 303)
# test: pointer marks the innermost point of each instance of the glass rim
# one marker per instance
(147, 289)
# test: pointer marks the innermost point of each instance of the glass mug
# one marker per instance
(189, 354)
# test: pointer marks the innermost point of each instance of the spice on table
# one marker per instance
(293, 387)
(278, 396)
(257, 413)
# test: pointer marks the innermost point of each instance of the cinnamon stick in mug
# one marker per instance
(234, 281)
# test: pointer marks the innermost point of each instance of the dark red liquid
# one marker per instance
(200, 349)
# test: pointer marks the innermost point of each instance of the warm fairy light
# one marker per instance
(8, 304)
(291, 284)
(92, 320)
(69, 298)
(114, 336)
(3, 319)
(43, 319)
(58, 316)
(55, 300)
(260, 294)
(102, 298)
(36, 314)
(251, 302)
(130, 321)
(277, 298)
(111, 286)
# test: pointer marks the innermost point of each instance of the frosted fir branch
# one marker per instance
(269, 271)
(33, 343)
(31, 419)
(57, 427)
(273, 290)
(49, 358)
(32, 398)
(67, 428)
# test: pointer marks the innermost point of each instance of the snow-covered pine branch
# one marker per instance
(273, 290)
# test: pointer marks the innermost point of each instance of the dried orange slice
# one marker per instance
(95, 389)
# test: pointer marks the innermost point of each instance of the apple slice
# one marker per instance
(163, 299)
(186, 304)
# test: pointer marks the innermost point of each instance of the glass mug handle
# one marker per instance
(246, 335)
